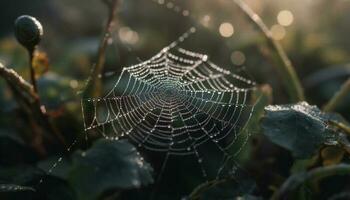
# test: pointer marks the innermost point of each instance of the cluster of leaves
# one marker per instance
(297, 151)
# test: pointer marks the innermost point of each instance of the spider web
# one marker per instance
(175, 103)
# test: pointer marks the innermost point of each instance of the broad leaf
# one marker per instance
(300, 128)
(25, 185)
(106, 166)
(13, 150)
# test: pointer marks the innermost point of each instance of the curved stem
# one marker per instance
(338, 98)
(12, 77)
(25, 92)
(291, 185)
(285, 66)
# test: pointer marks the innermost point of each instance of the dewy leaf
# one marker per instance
(231, 187)
(108, 165)
(300, 128)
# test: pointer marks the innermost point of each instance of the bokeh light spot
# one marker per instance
(278, 32)
(74, 84)
(206, 20)
(285, 18)
(127, 35)
(226, 29)
(238, 58)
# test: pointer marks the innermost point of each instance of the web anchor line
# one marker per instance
(173, 72)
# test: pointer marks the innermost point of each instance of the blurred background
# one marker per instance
(314, 34)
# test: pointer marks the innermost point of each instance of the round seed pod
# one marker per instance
(28, 31)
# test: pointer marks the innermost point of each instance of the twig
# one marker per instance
(285, 68)
(338, 98)
(25, 97)
(95, 81)
(29, 100)
(12, 77)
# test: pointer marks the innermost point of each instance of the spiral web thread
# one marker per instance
(175, 102)
(205, 88)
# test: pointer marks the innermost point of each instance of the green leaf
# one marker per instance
(300, 128)
(262, 97)
(236, 185)
(25, 184)
(106, 166)
(61, 171)
(13, 150)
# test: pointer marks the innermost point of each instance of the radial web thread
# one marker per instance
(175, 102)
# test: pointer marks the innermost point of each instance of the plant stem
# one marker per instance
(341, 126)
(291, 185)
(45, 118)
(285, 66)
(338, 98)
(32, 70)
(13, 77)
(29, 100)
(97, 70)
(25, 96)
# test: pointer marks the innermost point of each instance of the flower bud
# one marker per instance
(28, 31)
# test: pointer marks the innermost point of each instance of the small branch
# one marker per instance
(338, 98)
(13, 78)
(285, 67)
(25, 97)
(95, 81)
(29, 100)
(344, 142)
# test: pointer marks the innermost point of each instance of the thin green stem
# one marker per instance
(338, 98)
(285, 66)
